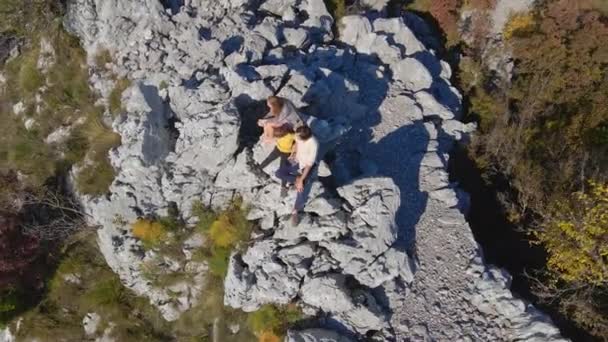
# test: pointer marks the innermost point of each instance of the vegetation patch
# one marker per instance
(115, 99)
(271, 322)
(543, 132)
(446, 13)
(82, 284)
(151, 233)
(224, 232)
(103, 58)
(59, 98)
(337, 9)
(519, 24)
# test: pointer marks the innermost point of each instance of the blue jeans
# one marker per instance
(288, 172)
(273, 156)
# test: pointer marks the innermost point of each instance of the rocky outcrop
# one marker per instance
(382, 250)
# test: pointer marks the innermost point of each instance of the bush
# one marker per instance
(29, 78)
(228, 230)
(151, 233)
(269, 336)
(267, 318)
(95, 178)
(106, 292)
(17, 250)
(222, 233)
(218, 260)
(519, 24)
(576, 235)
(270, 320)
(9, 305)
(206, 216)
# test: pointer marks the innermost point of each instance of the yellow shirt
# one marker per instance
(285, 143)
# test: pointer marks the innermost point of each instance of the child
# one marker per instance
(283, 149)
(282, 112)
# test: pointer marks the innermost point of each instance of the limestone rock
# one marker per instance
(414, 75)
(90, 323)
(384, 111)
(315, 335)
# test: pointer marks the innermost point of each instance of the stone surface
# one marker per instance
(315, 335)
(90, 323)
(382, 249)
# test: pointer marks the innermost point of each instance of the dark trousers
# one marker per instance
(288, 173)
(273, 156)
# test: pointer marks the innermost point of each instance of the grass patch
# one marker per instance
(115, 99)
(83, 283)
(102, 58)
(29, 78)
(64, 101)
(224, 232)
(10, 304)
(271, 321)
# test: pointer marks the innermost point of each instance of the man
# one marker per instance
(304, 158)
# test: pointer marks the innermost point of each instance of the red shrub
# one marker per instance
(17, 251)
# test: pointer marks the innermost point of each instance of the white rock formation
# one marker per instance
(7, 336)
(387, 253)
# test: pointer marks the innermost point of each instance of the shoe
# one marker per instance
(295, 219)
(283, 191)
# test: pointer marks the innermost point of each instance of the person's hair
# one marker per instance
(282, 131)
(276, 103)
(304, 132)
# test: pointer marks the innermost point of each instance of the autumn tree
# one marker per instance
(576, 239)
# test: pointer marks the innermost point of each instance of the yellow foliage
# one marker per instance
(150, 232)
(576, 238)
(269, 336)
(518, 24)
(222, 232)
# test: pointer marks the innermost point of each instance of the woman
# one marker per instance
(282, 112)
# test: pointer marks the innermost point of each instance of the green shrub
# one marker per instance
(29, 78)
(273, 319)
(206, 216)
(10, 303)
(228, 230)
(218, 261)
(95, 179)
(106, 292)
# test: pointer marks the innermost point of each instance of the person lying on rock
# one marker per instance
(285, 142)
(301, 168)
(282, 112)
